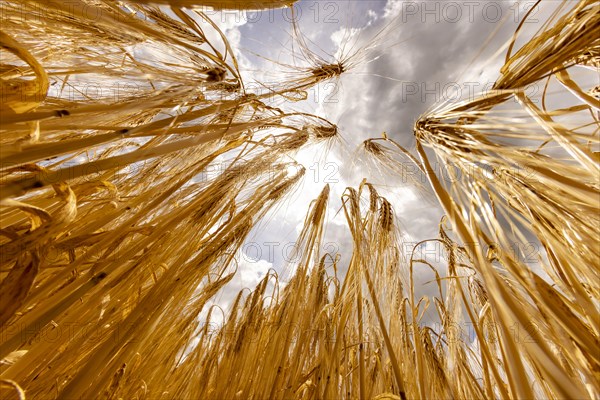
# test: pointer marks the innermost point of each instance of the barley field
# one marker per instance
(144, 145)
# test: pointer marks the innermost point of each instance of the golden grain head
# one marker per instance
(328, 71)
(373, 148)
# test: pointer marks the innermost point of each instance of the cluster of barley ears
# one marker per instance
(116, 233)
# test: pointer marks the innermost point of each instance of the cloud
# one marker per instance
(423, 53)
(252, 271)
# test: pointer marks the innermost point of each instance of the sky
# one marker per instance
(410, 55)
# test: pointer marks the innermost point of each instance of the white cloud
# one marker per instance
(252, 271)
(371, 99)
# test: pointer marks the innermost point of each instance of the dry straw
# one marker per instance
(116, 233)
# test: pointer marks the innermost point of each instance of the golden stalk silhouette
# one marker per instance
(111, 247)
